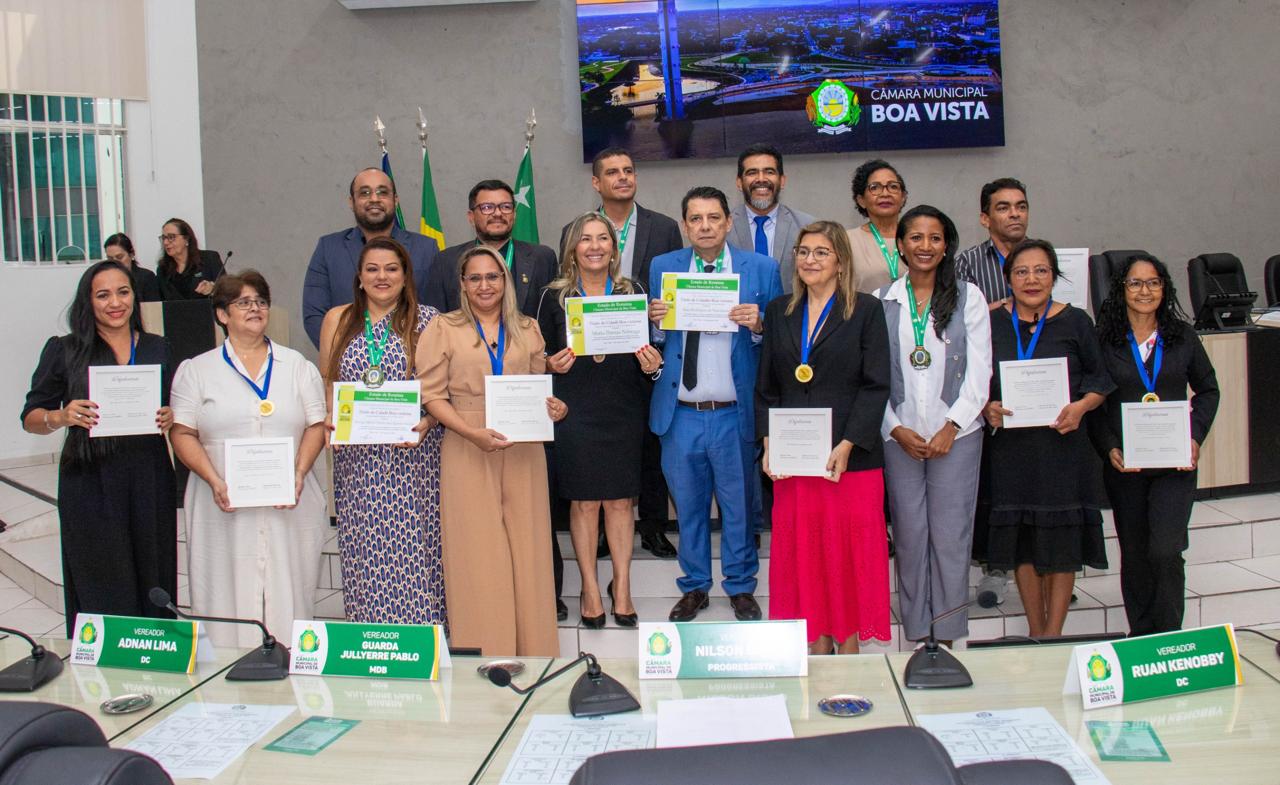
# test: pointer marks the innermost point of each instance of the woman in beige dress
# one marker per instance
(879, 194)
(495, 512)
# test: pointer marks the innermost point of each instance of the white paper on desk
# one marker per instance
(799, 442)
(698, 721)
(1072, 285)
(1012, 734)
(1156, 435)
(1034, 390)
(516, 407)
(199, 740)
(554, 746)
(128, 397)
(259, 472)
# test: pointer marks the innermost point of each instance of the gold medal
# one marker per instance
(1151, 398)
(920, 358)
(266, 408)
(804, 373)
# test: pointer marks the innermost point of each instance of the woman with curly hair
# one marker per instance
(1150, 349)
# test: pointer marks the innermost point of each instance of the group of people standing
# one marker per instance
(886, 323)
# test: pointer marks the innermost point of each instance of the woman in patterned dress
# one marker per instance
(387, 495)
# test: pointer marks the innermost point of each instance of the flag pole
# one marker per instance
(429, 220)
(529, 125)
(386, 163)
(380, 129)
(422, 129)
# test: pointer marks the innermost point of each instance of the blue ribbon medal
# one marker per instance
(1148, 379)
(804, 371)
(265, 407)
(495, 358)
(1035, 333)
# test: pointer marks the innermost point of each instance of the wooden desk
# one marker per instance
(1243, 448)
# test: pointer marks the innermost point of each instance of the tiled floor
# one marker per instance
(1233, 575)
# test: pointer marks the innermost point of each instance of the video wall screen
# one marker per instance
(705, 78)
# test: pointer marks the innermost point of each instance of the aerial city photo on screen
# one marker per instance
(705, 78)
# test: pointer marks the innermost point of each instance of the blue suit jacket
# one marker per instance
(332, 272)
(759, 284)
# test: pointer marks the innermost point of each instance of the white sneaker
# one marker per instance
(991, 588)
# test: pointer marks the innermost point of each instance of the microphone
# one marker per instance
(271, 662)
(594, 695)
(29, 673)
(933, 667)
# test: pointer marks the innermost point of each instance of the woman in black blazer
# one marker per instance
(185, 271)
(1152, 507)
(825, 346)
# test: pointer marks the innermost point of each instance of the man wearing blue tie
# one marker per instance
(702, 408)
(762, 221)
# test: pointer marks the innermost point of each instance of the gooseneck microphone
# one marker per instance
(595, 693)
(933, 667)
(267, 663)
(30, 673)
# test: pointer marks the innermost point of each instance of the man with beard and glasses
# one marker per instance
(491, 209)
(373, 201)
(762, 223)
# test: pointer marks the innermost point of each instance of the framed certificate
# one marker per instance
(385, 415)
(699, 302)
(516, 407)
(1034, 390)
(1156, 435)
(259, 472)
(128, 397)
(616, 324)
(799, 442)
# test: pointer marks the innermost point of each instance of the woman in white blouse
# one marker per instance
(254, 562)
(939, 369)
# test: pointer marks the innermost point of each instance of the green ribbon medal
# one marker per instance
(890, 259)
(624, 232)
(373, 376)
(508, 254)
(919, 356)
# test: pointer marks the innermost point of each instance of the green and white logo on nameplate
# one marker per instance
(723, 650)
(137, 642)
(383, 651)
(1154, 666)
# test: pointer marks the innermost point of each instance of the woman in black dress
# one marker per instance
(119, 248)
(598, 454)
(116, 498)
(185, 272)
(1152, 507)
(1046, 482)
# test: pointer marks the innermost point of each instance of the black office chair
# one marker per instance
(1102, 268)
(46, 743)
(1271, 280)
(1220, 295)
(881, 756)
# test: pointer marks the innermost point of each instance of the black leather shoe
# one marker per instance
(745, 607)
(593, 622)
(626, 619)
(688, 606)
(562, 610)
(658, 544)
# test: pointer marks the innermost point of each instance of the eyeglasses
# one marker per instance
(249, 303)
(487, 208)
(820, 254)
(1022, 273)
(894, 187)
(1151, 284)
(168, 238)
(476, 278)
(381, 192)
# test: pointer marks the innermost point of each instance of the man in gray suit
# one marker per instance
(762, 222)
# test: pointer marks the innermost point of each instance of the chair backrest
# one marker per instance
(1102, 268)
(1213, 273)
(1013, 772)
(48, 743)
(1271, 280)
(26, 726)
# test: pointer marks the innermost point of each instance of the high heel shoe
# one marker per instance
(622, 619)
(591, 622)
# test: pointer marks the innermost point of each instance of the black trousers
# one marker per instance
(1152, 509)
(653, 488)
(119, 528)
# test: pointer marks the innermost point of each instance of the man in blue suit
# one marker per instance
(702, 408)
(373, 201)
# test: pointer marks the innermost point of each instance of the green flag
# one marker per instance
(526, 228)
(430, 222)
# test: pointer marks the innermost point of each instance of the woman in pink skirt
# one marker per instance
(826, 347)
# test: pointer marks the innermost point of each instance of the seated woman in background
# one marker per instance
(825, 347)
(1046, 482)
(185, 271)
(1150, 349)
(257, 562)
(388, 540)
(117, 503)
(119, 248)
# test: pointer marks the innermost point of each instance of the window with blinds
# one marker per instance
(61, 177)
